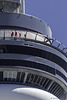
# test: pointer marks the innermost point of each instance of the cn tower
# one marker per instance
(33, 64)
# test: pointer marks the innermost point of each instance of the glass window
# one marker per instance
(1, 34)
(1, 76)
(31, 35)
(40, 37)
(18, 76)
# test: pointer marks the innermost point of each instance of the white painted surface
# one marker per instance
(20, 92)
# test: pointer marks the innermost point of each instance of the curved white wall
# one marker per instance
(20, 92)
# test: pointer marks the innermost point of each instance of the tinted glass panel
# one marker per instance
(18, 77)
(35, 52)
(23, 63)
(8, 62)
(1, 76)
(61, 74)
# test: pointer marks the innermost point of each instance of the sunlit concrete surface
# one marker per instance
(20, 92)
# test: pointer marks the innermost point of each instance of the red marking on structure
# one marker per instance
(19, 34)
(25, 35)
(15, 33)
(12, 34)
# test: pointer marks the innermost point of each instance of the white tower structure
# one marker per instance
(31, 66)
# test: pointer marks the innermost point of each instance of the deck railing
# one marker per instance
(37, 38)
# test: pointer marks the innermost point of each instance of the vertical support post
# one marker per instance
(22, 7)
(50, 85)
(25, 77)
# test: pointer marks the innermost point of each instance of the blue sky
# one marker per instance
(54, 13)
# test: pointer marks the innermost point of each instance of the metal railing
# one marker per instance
(46, 39)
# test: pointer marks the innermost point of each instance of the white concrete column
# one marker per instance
(22, 7)
(50, 85)
(25, 77)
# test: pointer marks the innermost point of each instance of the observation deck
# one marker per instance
(28, 54)
(24, 51)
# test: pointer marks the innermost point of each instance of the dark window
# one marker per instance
(28, 77)
(35, 52)
(61, 74)
(1, 76)
(18, 77)
(22, 77)
(36, 77)
(9, 62)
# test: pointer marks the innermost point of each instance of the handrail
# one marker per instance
(50, 41)
(60, 44)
